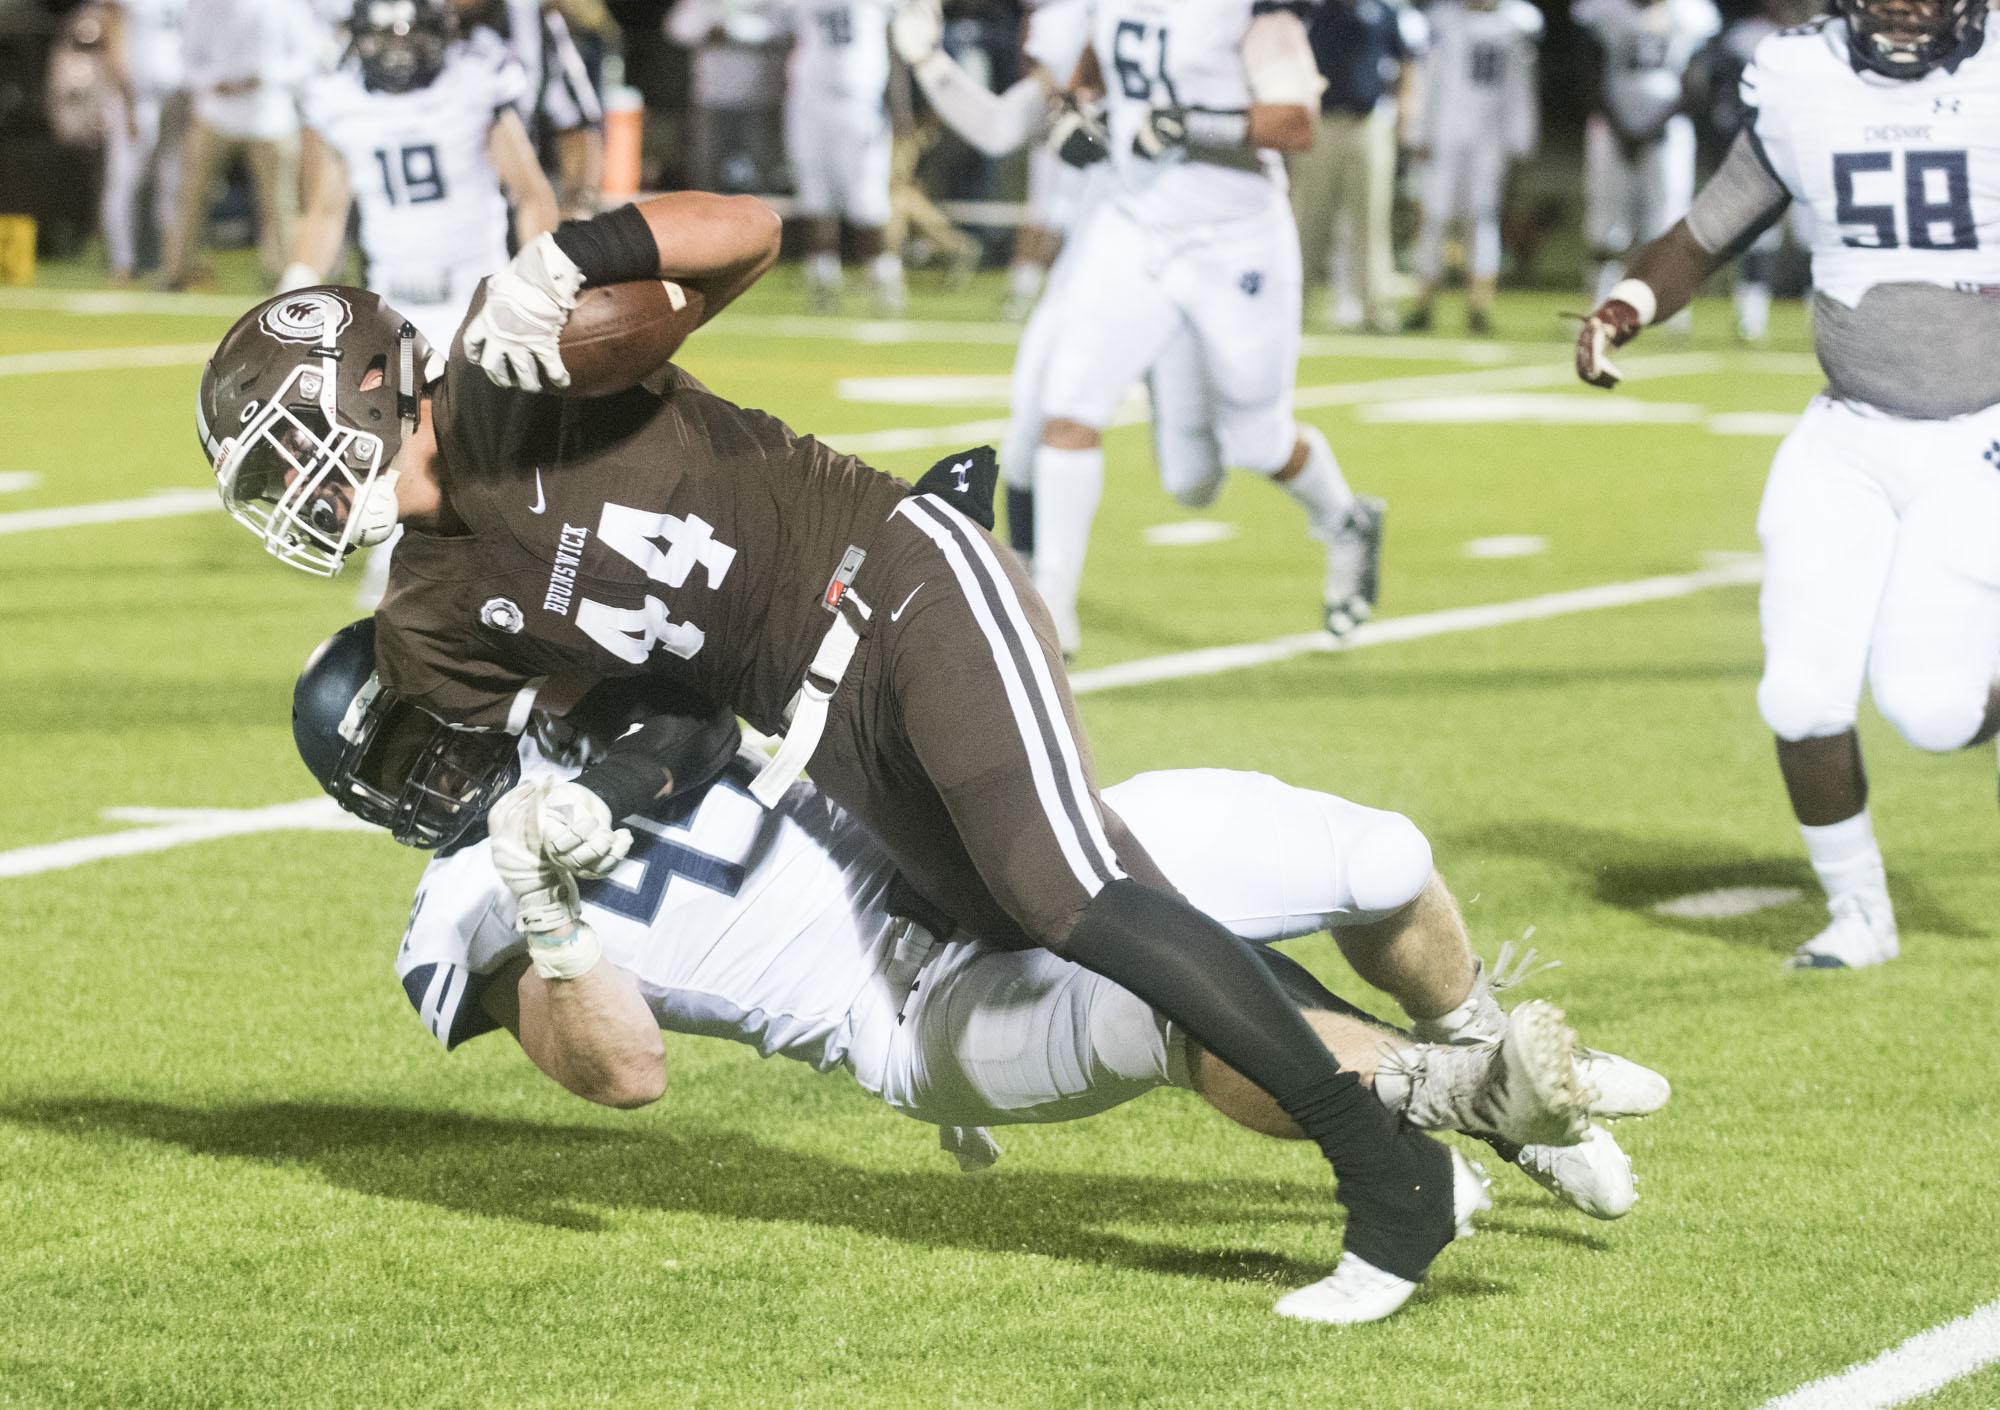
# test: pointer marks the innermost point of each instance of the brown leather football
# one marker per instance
(619, 334)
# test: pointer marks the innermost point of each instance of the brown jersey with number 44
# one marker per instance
(663, 532)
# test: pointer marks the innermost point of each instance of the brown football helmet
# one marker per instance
(302, 407)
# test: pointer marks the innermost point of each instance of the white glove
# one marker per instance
(549, 914)
(514, 336)
(917, 30)
(576, 831)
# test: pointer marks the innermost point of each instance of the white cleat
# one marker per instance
(1623, 1087)
(1357, 1291)
(1861, 933)
(1525, 1088)
(1594, 1175)
(1353, 579)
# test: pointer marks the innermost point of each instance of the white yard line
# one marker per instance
(1917, 1367)
(176, 827)
(103, 359)
(119, 302)
(1214, 660)
(168, 504)
(14, 481)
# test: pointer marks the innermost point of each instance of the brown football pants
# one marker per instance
(954, 736)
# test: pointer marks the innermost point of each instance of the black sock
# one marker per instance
(1021, 521)
(1307, 992)
(1395, 1182)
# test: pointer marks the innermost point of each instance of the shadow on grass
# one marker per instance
(564, 1176)
(1636, 873)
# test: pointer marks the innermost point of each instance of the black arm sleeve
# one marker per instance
(614, 248)
(667, 753)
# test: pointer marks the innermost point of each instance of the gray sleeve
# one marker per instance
(1740, 202)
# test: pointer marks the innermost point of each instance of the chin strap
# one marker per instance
(406, 378)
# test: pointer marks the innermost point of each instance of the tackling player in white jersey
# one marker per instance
(1881, 518)
(1639, 144)
(838, 140)
(1480, 113)
(781, 929)
(423, 132)
(1195, 237)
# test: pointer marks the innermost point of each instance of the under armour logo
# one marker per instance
(1945, 105)
(1993, 455)
(959, 470)
(1250, 283)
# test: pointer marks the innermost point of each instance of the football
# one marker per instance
(620, 334)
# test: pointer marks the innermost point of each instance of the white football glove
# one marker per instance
(546, 895)
(548, 912)
(514, 337)
(577, 833)
(917, 30)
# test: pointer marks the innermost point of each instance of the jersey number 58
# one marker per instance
(1936, 203)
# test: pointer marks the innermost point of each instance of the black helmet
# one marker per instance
(1909, 38)
(400, 43)
(302, 407)
(385, 760)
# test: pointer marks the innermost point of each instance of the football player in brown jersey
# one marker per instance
(667, 533)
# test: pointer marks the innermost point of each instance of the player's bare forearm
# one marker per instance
(1674, 267)
(720, 245)
(1282, 127)
(520, 173)
(580, 160)
(323, 226)
(592, 1034)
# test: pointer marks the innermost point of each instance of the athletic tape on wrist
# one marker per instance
(573, 955)
(1639, 294)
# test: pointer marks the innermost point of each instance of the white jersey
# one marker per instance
(1647, 50)
(1178, 53)
(840, 50)
(766, 927)
(1902, 176)
(433, 216)
(1481, 74)
(153, 45)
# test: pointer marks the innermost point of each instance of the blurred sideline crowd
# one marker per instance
(1458, 139)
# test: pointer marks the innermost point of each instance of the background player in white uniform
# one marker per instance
(1881, 519)
(1055, 36)
(838, 139)
(148, 119)
(1639, 147)
(423, 132)
(1481, 112)
(775, 928)
(1039, 109)
(1195, 236)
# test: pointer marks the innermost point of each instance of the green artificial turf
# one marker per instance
(235, 1171)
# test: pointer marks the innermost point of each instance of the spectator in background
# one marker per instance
(839, 141)
(736, 86)
(1343, 188)
(246, 61)
(1481, 114)
(145, 127)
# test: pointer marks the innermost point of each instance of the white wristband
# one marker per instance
(1639, 294)
(573, 955)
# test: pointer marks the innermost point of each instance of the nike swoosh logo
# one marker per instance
(898, 613)
(541, 500)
